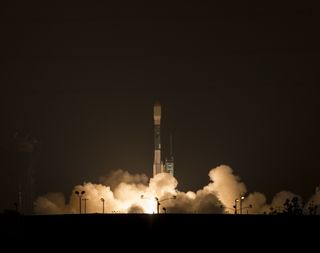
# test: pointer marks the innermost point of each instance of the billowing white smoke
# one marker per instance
(51, 203)
(122, 193)
(227, 185)
(124, 196)
(120, 176)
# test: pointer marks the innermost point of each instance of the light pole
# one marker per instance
(85, 205)
(235, 206)
(80, 194)
(158, 204)
(159, 201)
(241, 199)
(102, 199)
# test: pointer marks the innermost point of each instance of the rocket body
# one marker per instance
(157, 164)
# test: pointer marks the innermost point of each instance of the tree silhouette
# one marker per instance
(312, 208)
(293, 207)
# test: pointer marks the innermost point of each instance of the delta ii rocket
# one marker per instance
(157, 164)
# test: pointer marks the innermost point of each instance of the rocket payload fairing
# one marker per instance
(157, 164)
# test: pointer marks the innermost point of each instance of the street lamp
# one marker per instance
(102, 199)
(159, 201)
(235, 206)
(241, 199)
(80, 194)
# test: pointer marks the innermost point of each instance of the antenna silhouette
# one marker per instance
(171, 147)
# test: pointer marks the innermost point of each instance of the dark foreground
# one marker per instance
(164, 227)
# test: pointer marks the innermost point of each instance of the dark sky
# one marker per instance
(239, 85)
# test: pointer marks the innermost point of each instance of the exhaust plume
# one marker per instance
(123, 192)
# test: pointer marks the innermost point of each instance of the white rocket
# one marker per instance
(157, 164)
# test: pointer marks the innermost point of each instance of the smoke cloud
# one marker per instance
(122, 192)
(227, 186)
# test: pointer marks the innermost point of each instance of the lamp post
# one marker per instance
(158, 204)
(241, 199)
(102, 199)
(85, 205)
(159, 201)
(235, 206)
(80, 194)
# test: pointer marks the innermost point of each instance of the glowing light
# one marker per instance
(150, 207)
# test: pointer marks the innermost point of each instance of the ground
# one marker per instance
(179, 229)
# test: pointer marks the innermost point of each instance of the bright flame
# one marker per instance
(150, 205)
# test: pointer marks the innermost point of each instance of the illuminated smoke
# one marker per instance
(280, 198)
(227, 186)
(122, 193)
(120, 176)
(255, 203)
(51, 203)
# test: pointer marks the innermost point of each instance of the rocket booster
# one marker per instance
(157, 164)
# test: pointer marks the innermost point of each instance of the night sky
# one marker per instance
(238, 84)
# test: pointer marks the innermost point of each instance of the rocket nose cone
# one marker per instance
(157, 112)
(157, 103)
